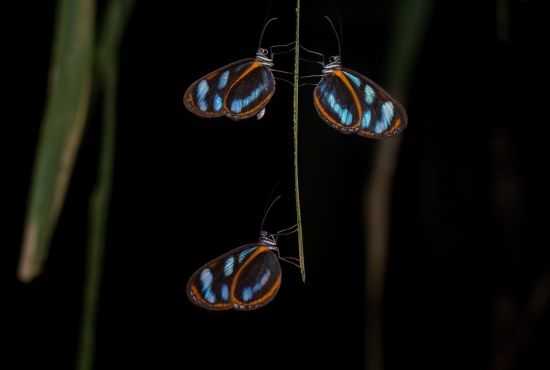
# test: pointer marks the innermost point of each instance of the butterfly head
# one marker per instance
(269, 240)
(262, 55)
(334, 63)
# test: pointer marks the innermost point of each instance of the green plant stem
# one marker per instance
(295, 117)
(117, 14)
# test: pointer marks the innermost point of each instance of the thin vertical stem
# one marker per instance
(99, 210)
(116, 18)
(296, 178)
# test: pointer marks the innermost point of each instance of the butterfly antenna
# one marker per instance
(267, 11)
(263, 30)
(336, 33)
(340, 27)
(270, 197)
(268, 209)
(335, 6)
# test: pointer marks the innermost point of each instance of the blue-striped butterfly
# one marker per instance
(238, 90)
(246, 278)
(351, 103)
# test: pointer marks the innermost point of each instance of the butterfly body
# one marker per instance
(351, 103)
(238, 90)
(245, 278)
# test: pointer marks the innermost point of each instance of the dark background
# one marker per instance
(468, 251)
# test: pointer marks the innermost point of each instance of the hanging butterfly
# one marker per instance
(351, 103)
(239, 90)
(246, 278)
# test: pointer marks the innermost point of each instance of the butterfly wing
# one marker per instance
(351, 103)
(245, 278)
(239, 90)
(248, 95)
(257, 280)
(205, 96)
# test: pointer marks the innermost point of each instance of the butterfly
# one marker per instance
(245, 278)
(351, 103)
(239, 90)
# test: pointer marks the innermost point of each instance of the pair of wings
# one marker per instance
(239, 90)
(245, 278)
(351, 103)
(343, 98)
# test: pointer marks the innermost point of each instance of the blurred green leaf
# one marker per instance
(70, 80)
(502, 20)
(410, 20)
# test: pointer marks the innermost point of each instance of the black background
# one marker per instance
(469, 206)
